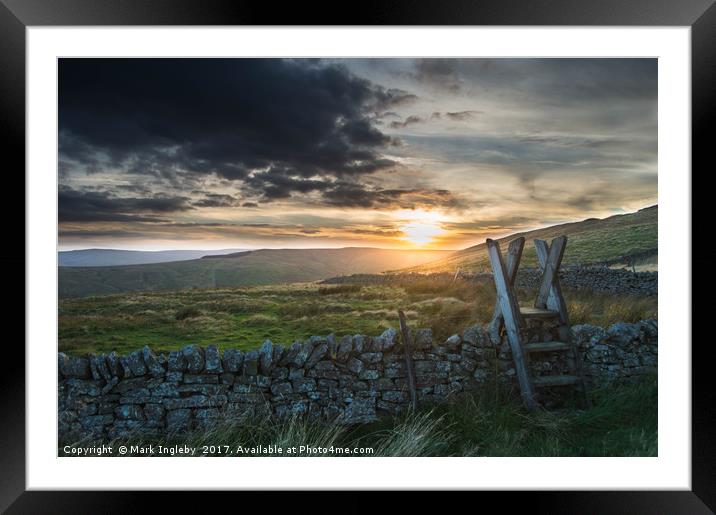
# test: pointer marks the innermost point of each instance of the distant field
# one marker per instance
(589, 241)
(260, 267)
(613, 240)
(243, 317)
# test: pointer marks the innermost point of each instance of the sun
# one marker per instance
(421, 227)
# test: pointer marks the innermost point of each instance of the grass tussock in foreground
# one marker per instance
(623, 422)
(244, 317)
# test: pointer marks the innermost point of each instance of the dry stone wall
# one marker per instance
(599, 278)
(596, 278)
(348, 380)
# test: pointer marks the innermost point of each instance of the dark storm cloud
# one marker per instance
(100, 206)
(216, 200)
(177, 119)
(358, 195)
(277, 184)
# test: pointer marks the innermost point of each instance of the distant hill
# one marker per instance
(116, 257)
(257, 267)
(608, 240)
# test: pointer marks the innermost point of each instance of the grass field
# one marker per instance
(623, 422)
(243, 317)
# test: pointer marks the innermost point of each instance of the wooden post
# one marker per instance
(409, 370)
(513, 323)
(514, 255)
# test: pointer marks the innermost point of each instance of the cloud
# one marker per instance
(462, 115)
(441, 74)
(216, 200)
(459, 116)
(95, 206)
(360, 196)
(410, 120)
(181, 119)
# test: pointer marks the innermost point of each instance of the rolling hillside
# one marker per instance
(118, 257)
(259, 267)
(589, 241)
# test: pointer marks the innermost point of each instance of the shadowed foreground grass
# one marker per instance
(623, 422)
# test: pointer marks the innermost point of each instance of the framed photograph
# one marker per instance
(442, 238)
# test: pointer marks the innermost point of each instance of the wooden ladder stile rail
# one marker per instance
(509, 310)
(408, 354)
(550, 297)
(549, 306)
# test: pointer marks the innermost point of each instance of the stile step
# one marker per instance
(544, 381)
(546, 346)
(538, 313)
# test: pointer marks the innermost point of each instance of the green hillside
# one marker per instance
(589, 241)
(259, 267)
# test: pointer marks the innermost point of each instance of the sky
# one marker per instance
(161, 154)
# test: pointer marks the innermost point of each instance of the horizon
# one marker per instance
(392, 153)
(242, 249)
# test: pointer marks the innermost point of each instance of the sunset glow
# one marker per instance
(422, 226)
(316, 153)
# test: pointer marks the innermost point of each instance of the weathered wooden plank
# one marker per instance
(514, 256)
(409, 369)
(527, 312)
(565, 380)
(549, 270)
(547, 347)
(555, 300)
(513, 323)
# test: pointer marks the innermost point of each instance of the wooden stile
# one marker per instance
(549, 305)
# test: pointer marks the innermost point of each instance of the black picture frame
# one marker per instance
(17, 15)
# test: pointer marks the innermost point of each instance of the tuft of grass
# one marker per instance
(420, 434)
(340, 289)
(187, 312)
(260, 319)
(587, 307)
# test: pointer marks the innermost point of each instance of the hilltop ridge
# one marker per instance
(614, 239)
